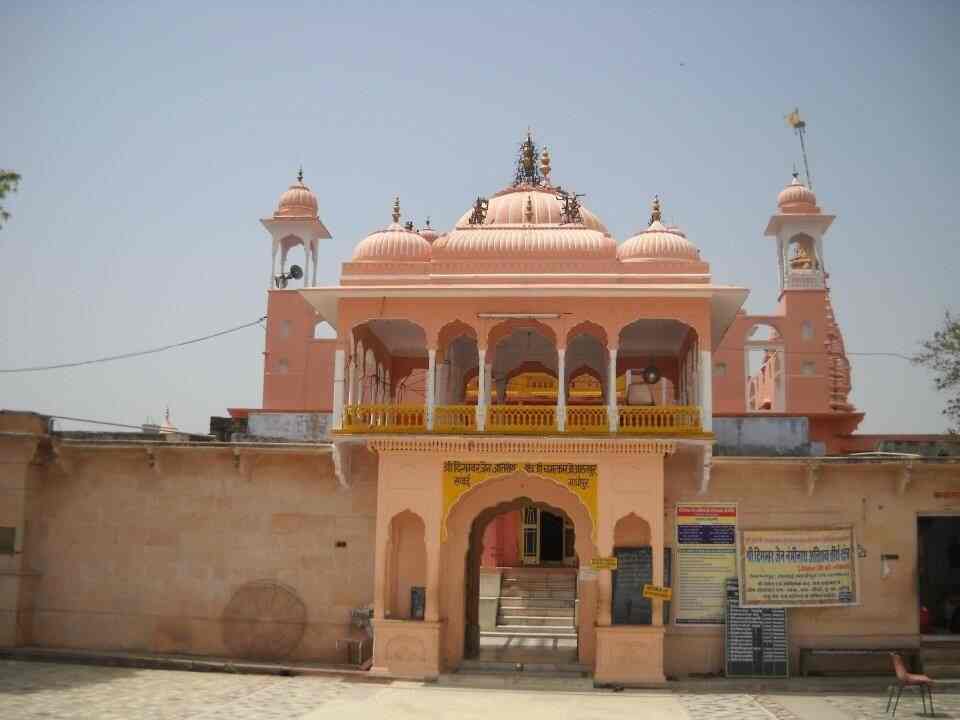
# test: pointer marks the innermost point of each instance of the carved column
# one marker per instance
(612, 413)
(561, 389)
(481, 389)
(431, 385)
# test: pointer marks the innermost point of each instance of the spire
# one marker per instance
(396, 209)
(655, 210)
(527, 171)
(300, 175)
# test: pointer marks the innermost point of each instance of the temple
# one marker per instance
(519, 441)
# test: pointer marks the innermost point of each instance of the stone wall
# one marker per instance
(135, 553)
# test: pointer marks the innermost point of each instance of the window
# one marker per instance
(809, 367)
(806, 330)
(8, 540)
(720, 369)
(285, 327)
(282, 366)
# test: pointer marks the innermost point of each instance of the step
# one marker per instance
(563, 612)
(517, 681)
(941, 656)
(532, 620)
(938, 671)
(537, 667)
(520, 603)
(521, 631)
(540, 594)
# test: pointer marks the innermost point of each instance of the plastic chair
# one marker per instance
(909, 680)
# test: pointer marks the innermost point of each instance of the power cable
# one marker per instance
(139, 353)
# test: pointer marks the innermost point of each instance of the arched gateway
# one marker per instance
(451, 488)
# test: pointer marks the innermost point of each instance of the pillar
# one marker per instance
(432, 610)
(352, 381)
(561, 389)
(706, 390)
(431, 385)
(481, 389)
(338, 386)
(612, 390)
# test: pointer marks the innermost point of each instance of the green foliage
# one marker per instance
(941, 354)
(9, 182)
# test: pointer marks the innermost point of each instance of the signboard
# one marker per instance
(706, 546)
(604, 563)
(798, 568)
(460, 477)
(754, 639)
(634, 570)
(657, 592)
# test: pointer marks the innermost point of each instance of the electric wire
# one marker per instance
(128, 355)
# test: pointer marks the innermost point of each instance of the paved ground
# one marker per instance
(47, 691)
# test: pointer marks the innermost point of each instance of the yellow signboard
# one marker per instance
(604, 563)
(798, 568)
(656, 592)
(459, 477)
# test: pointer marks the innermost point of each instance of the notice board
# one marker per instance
(754, 639)
(706, 547)
(634, 570)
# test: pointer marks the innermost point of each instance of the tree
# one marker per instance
(9, 182)
(941, 354)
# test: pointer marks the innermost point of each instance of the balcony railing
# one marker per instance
(384, 418)
(522, 419)
(667, 419)
(455, 418)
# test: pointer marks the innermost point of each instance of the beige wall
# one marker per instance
(775, 494)
(140, 558)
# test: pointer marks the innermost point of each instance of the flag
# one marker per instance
(794, 121)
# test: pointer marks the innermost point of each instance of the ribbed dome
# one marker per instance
(797, 198)
(429, 234)
(394, 242)
(555, 242)
(658, 242)
(297, 201)
(509, 207)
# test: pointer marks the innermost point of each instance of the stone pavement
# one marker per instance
(53, 691)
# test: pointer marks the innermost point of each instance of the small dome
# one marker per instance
(297, 201)
(797, 198)
(658, 242)
(428, 233)
(394, 242)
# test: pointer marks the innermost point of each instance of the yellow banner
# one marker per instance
(657, 592)
(604, 563)
(459, 477)
(798, 568)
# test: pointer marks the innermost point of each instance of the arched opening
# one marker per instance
(407, 567)
(521, 352)
(631, 545)
(765, 366)
(323, 330)
(802, 253)
(484, 601)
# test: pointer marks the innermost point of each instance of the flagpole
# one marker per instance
(801, 131)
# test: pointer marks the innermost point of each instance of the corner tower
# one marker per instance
(799, 227)
(295, 222)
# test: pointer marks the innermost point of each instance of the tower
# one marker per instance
(799, 226)
(295, 222)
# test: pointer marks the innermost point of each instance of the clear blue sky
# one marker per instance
(151, 139)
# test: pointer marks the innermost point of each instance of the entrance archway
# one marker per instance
(461, 556)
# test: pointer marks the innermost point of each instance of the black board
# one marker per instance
(634, 569)
(754, 639)
(418, 602)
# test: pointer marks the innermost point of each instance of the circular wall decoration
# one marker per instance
(264, 619)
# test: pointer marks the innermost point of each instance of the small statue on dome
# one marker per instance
(396, 209)
(655, 214)
(479, 211)
(570, 213)
(527, 171)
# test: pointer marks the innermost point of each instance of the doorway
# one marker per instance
(938, 575)
(546, 538)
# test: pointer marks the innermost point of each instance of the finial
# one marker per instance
(655, 210)
(428, 221)
(528, 172)
(166, 414)
(396, 209)
(545, 164)
(300, 174)
(528, 210)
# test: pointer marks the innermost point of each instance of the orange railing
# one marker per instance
(588, 419)
(384, 418)
(521, 418)
(455, 418)
(668, 419)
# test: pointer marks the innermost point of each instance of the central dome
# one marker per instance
(510, 207)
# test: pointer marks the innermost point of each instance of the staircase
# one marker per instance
(537, 603)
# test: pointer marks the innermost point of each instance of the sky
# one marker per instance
(152, 137)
